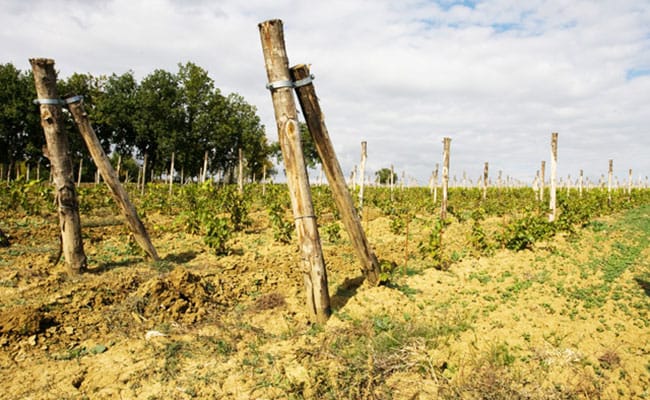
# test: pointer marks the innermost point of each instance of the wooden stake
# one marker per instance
(205, 167)
(552, 202)
(119, 166)
(629, 182)
(81, 164)
(144, 174)
(542, 178)
(485, 180)
(316, 123)
(610, 174)
(240, 172)
(435, 184)
(110, 177)
(58, 151)
(445, 177)
(581, 183)
(286, 116)
(171, 174)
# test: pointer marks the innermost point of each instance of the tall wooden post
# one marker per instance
(362, 173)
(110, 177)
(542, 179)
(316, 123)
(485, 180)
(171, 174)
(610, 174)
(445, 177)
(286, 116)
(552, 202)
(240, 172)
(59, 154)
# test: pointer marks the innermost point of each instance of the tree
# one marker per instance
(384, 176)
(308, 148)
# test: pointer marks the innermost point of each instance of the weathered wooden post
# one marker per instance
(263, 179)
(485, 180)
(435, 184)
(119, 166)
(144, 174)
(581, 183)
(204, 170)
(316, 124)
(445, 177)
(171, 174)
(110, 177)
(553, 198)
(610, 175)
(286, 116)
(542, 178)
(240, 172)
(58, 151)
(392, 181)
(362, 174)
(81, 164)
(629, 182)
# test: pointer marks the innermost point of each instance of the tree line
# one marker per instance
(182, 112)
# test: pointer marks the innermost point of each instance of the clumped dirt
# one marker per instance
(534, 324)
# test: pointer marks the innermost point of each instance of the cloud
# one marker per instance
(496, 76)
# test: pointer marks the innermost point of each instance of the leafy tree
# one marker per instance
(113, 113)
(384, 176)
(21, 137)
(308, 148)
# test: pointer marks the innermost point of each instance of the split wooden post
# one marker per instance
(553, 198)
(316, 124)
(286, 116)
(110, 177)
(445, 177)
(362, 174)
(58, 151)
(485, 180)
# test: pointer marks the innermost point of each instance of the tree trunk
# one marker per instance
(286, 116)
(316, 123)
(110, 177)
(62, 173)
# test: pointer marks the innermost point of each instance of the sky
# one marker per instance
(496, 76)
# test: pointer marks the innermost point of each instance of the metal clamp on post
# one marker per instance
(279, 84)
(304, 81)
(49, 101)
(73, 99)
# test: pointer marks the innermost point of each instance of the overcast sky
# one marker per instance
(496, 76)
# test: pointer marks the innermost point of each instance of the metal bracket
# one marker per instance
(49, 101)
(304, 81)
(290, 84)
(74, 99)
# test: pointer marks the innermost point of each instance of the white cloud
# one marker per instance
(496, 76)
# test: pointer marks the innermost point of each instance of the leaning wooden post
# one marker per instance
(110, 177)
(552, 202)
(316, 124)
(362, 173)
(58, 151)
(610, 174)
(485, 180)
(445, 177)
(286, 116)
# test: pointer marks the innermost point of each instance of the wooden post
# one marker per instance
(392, 181)
(38, 171)
(110, 177)
(316, 123)
(542, 178)
(445, 177)
(58, 151)
(144, 174)
(485, 180)
(552, 202)
(629, 182)
(581, 183)
(286, 116)
(119, 166)
(171, 174)
(240, 172)
(435, 184)
(263, 179)
(81, 164)
(362, 174)
(205, 167)
(610, 174)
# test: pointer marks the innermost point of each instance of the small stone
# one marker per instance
(69, 330)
